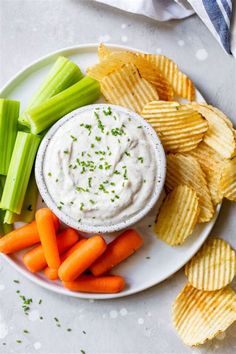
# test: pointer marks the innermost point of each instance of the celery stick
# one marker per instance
(29, 206)
(21, 164)
(9, 112)
(62, 75)
(4, 228)
(43, 116)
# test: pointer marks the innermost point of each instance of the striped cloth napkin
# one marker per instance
(217, 15)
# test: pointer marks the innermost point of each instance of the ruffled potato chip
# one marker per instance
(181, 83)
(213, 267)
(228, 180)
(125, 87)
(178, 216)
(185, 169)
(115, 60)
(212, 165)
(220, 135)
(179, 127)
(103, 51)
(199, 315)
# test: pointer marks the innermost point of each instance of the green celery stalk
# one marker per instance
(62, 75)
(21, 164)
(4, 228)
(9, 112)
(47, 113)
(29, 206)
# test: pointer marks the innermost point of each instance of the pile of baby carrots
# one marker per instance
(82, 264)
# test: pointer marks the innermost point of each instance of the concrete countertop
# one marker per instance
(141, 323)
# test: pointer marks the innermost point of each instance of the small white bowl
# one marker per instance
(82, 226)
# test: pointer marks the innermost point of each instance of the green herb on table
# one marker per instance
(73, 138)
(140, 158)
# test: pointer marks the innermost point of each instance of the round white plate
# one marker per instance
(156, 261)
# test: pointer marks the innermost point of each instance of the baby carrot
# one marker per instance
(19, 239)
(90, 284)
(47, 234)
(35, 261)
(82, 258)
(22, 237)
(51, 273)
(118, 250)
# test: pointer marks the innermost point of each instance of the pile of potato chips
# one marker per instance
(206, 306)
(200, 145)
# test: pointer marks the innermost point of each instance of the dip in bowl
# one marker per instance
(101, 168)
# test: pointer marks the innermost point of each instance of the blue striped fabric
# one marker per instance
(219, 13)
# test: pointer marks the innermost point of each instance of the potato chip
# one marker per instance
(179, 127)
(199, 315)
(149, 72)
(185, 169)
(213, 267)
(181, 83)
(177, 216)
(219, 136)
(126, 88)
(103, 51)
(212, 165)
(228, 180)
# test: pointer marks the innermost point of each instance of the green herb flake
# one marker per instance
(92, 201)
(69, 329)
(59, 207)
(49, 174)
(40, 301)
(73, 138)
(66, 152)
(26, 331)
(18, 341)
(98, 138)
(148, 257)
(92, 146)
(82, 351)
(117, 131)
(127, 153)
(81, 206)
(107, 112)
(16, 281)
(89, 182)
(140, 158)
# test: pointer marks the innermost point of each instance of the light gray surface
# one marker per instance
(140, 323)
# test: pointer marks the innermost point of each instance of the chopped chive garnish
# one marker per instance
(16, 281)
(62, 203)
(92, 146)
(117, 131)
(112, 184)
(49, 174)
(102, 188)
(116, 172)
(25, 331)
(148, 257)
(98, 138)
(59, 207)
(107, 112)
(40, 301)
(69, 329)
(100, 125)
(73, 138)
(89, 182)
(139, 126)
(18, 341)
(92, 201)
(127, 153)
(81, 206)
(82, 351)
(66, 152)
(100, 167)
(56, 319)
(117, 197)
(140, 158)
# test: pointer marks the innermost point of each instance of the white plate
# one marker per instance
(156, 261)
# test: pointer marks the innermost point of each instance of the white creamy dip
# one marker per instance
(100, 167)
